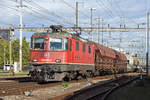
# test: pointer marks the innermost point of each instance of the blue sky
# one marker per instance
(47, 12)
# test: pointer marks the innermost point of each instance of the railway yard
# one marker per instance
(98, 87)
(74, 50)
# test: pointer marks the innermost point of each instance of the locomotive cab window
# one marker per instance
(56, 44)
(77, 46)
(38, 43)
(89, 49)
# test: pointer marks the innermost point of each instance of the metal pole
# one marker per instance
(98, 30)
(147, 43)
(10, 52)
(88, 35)
(76, 14)
(102, 31)
(91, 23)
(21, 26)
(98, 34)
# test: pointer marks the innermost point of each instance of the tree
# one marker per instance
(15, 51)
(4, 44)
(26, 52)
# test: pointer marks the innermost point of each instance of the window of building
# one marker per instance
(77, 46)
(84, 47)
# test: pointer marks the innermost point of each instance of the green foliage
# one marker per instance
(15, 51)
(26, 52)
(65, 85)
(3, 43)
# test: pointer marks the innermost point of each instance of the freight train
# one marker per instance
(58, 55)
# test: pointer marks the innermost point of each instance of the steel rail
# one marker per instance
(99, 91)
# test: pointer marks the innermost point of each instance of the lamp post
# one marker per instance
(92, 9)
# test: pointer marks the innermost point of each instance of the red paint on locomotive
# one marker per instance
(73, 54)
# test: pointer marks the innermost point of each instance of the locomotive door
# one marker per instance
(70, 52)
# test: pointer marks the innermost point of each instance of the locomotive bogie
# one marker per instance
(57, 72)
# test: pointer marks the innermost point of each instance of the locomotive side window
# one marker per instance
(56, 44)
(77, 46)
(70, 45)
(89, 49)
(65, 44)
(84, 47)
(38, 43)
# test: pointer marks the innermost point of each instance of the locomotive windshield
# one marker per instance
(56, 44)
(38, 43)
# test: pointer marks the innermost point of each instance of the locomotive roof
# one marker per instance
(64, 34)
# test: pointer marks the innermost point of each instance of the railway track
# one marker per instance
(19, 86)
(100, 91)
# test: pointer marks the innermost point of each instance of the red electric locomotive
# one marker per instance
(58, 55)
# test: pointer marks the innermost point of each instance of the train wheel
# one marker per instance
(67, 78)
(79, 77)
(90, 74)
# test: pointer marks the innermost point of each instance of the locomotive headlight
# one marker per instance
(34, 60)
(58, 61)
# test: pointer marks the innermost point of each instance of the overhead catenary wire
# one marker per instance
(81, 12)
(113, 12)
(121, 12)
(117, 11)
(45, 10)
(15, 9)
(38, 15)
(109, 13)
(34, 11)
(8, 7)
